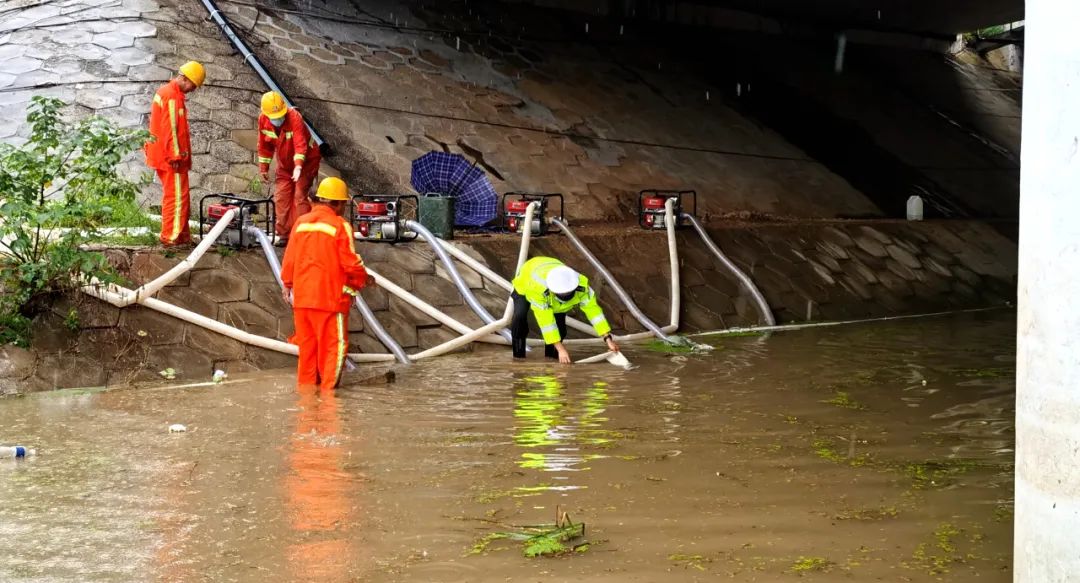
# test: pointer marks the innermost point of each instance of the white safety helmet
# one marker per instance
(562, 280)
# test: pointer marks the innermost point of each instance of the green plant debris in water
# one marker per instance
(689, 561)
(937, 474)
(736, 334)
(843, 400)
(661, 346)
(937, 557)
(811, 564)
(987, 373)
(564, 536)
(868, 514)
(826, 449)
(1003, 512)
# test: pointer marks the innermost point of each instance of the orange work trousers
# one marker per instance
(323, 338)
(291, 198)
(175, 207)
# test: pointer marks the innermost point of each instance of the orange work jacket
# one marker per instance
(170, 140)
(321, 265)
(292, 143)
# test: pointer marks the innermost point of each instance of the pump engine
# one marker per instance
(516, 203)
(652, 206)
(250, 213)
(382, 218)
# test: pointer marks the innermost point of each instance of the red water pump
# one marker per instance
(257, 213)
(382, 218)
(652, 206)
(516, 203)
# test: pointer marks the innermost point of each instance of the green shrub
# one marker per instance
(56, 192)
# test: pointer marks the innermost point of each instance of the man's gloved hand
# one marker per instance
(296, 174)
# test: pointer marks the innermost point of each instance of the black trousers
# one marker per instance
(519, 327)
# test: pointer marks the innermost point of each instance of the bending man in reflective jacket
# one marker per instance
(552, 289)
(322, 273)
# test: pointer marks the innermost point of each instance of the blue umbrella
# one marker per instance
(452, 175)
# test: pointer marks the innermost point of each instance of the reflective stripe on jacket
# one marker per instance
(292, 143)
(170, 140)
(531, 282)
(321, 265)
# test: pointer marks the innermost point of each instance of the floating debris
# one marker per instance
(562, 537)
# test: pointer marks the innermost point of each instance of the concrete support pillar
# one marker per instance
(1047, 546)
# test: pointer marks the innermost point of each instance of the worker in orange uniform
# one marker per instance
(322, 273)
(282, 131)
(169, 152)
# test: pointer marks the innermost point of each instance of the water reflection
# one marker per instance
(317, 490)
(553, 425)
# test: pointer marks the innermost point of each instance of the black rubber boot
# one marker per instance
(550, 352)
(519, 347)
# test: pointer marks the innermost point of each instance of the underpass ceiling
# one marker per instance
(937, 16)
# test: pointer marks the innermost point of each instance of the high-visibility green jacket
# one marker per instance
(531, 282)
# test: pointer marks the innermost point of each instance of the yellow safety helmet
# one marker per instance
(194, 71)
(333, 188)
(273, 105)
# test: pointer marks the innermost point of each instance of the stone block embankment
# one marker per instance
(806, 271)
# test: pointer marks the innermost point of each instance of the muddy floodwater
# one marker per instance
(874, 452)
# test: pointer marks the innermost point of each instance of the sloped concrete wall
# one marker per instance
(828, 271)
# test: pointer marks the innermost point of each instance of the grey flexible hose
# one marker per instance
(365, 311)
(380, 332)
(744, 280)
(618, 289)
(455, 277)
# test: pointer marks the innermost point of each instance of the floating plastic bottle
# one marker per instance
(914, 208)
(16, 451)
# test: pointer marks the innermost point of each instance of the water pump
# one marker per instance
(514, 207)
(652, 205)
(250, 213)
(381, 217)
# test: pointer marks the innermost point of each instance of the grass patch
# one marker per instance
(144, 240)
